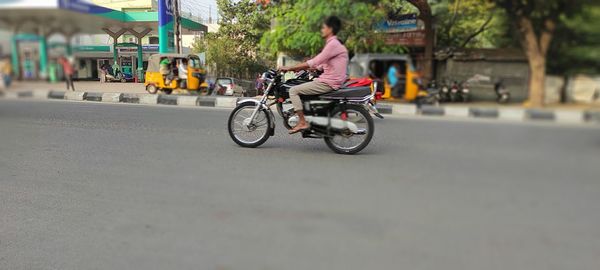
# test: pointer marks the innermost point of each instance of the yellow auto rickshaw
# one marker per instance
(155, 76)
(376, 66)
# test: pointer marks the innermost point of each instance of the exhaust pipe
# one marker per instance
(334, 122)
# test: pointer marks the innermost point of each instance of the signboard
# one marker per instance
(91, 48)
(165, 26)
(409, 39)
(82, 6)
(150, 48)
(407, 22)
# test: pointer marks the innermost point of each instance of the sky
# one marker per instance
(199, 7)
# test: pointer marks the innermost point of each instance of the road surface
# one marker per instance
(97, 186)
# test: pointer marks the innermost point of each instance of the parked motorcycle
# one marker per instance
(338, 117)
(430, 95)
(502, 94)
(459, 92)
(445, 92)
(120, 77)
(454, 91)
(465, 92)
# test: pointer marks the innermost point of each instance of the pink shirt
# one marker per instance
(333, 59)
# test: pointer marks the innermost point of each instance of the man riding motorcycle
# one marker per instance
(333, 60)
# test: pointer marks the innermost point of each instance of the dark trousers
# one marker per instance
(69, 80)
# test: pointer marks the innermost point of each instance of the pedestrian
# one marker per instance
(259, 84)
(106, 70)
(5, 72)
(69, 71)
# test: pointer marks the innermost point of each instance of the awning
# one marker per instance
(78, 16)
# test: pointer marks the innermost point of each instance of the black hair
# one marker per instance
(334, 23)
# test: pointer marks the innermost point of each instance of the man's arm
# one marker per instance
(301, 66)
(326, 54)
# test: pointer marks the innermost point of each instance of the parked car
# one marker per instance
(226, 86)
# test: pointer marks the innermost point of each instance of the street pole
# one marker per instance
(177, 15)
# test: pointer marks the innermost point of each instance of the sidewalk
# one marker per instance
(85, 86)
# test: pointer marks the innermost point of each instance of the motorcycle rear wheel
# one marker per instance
(340, 143)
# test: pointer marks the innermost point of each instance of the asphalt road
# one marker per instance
(96, 186)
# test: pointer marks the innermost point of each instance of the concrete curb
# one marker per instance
(225, 102)
(536, 114)
(187, 101)
(76, 96)
(56, 95)
(501, 113)
(10, 95)
(513, 114)
(130, 98)
(431, 110)
(457, 111)
(148, 99)
(40, 94)
(403, 109)
(484, 112)
(167, 100)
(207, 101)
(91, 96)
(112, 97)
(569, 116)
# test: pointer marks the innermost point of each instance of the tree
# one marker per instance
(576, 47)
(297, 24)
(536, 22)
(426, 16)
(233, 50)
(462, 23)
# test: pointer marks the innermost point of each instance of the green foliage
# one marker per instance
(575, 40)
(576, 48)
(468, 23)
(232, 51)
(297, 25)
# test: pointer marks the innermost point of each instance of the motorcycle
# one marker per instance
(502, 94)
(339, 117)
(120, 77)
(454, 91)
(465, 93)
(459, 92)
(445, 92)
(429, 95)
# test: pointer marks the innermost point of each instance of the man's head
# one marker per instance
(331, 26)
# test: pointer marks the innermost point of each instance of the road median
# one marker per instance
(567, 116)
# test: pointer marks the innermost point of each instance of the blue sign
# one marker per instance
(407, 22)
(165, 26)
(82, 6)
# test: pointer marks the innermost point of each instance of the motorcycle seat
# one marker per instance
(351, 93)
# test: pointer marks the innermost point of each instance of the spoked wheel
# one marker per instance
(248, 134)
(348, 142)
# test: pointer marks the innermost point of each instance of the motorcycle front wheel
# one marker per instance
(248, 134)
(347, 142)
